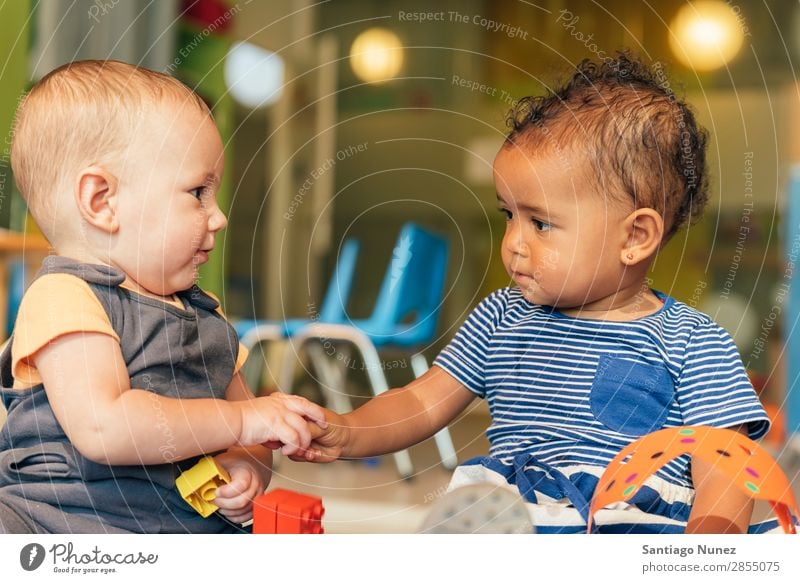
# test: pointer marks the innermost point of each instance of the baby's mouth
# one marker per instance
(202, 255)
(522, 279)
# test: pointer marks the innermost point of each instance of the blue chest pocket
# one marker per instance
(631, 398)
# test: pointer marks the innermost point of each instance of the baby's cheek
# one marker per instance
(550, 259)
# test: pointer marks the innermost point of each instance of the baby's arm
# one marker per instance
(394, 420)
(109, 422)
(719, 506)
(250, 467)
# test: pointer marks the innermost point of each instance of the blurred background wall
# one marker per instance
(317, 152)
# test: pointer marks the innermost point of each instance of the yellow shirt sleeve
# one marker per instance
(243, 352)
(54, 305)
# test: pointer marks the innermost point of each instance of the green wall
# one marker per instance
(14, 18)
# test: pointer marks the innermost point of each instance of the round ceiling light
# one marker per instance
(706, 35)
(376, 55)
(253, 75)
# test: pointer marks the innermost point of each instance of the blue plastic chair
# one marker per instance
(16, 289)
(407, 309)
(405, 317)
(791, 315)
(251, 332)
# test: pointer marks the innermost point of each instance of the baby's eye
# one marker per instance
(506, 213)
(541, 225)
(198, 192)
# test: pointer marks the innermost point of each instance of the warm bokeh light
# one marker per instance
(706, 35)
(376, 55)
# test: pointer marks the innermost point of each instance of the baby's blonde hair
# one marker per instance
(82, 114)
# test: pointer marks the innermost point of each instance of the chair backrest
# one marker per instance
(412, 289)
(334, 304)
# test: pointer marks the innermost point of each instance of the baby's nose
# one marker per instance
(217, 220)
(516, 244)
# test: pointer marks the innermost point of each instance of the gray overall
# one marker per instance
(47, 486)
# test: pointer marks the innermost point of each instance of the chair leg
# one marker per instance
(338, 371)
(252, 372)
(331, 379)
(264, 333)
(319, 360)
(372, 363)
(285, 374)
(379, 384)
(444, 443)
(291, 356)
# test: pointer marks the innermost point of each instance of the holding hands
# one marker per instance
(282, 422)
(328, 442)
(279, 421)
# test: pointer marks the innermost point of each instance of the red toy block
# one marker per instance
(265, 512)
(285, 512)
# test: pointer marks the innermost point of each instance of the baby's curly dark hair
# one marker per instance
(624, 117)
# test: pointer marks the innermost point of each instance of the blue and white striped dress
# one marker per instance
(566, 394)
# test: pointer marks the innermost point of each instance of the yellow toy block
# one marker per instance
(198, 485)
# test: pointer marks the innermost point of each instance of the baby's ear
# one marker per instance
(96, 197)
(644, 230)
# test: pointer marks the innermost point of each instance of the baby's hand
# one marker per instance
(327, 443)
(248, 480)
(280, 421)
